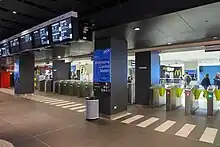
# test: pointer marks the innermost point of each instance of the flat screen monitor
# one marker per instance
(4, 49)
(14, 46)
(41, 37)
(26, 42)
(62, 31)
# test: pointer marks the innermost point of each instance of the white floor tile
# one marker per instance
(80, 107)
(185, 130)
(66, 104)
(69, 106)
(165, 126)
(132, 119)
(81, 110)
(147, 122)
(121, 116)
(209, 135)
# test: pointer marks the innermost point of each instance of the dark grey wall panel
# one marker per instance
(142, 77)
(61, 70)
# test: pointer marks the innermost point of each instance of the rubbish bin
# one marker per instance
(92, 108)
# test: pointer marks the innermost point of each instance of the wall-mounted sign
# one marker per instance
(102, 65)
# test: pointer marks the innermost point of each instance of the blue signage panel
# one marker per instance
(16, 71)
(102, 66)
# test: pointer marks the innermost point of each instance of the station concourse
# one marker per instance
(85, 78)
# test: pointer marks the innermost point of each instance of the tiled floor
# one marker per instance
(42, 120)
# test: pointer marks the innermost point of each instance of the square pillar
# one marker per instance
(110, 75)
(147, 72)
(24, 73)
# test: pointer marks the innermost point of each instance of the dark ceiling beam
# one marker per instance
(8, 28)
(42, 7)
(100, 7)
(132, 11)
(20, 14)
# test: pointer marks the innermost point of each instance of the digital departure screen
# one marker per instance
(14, 45)
(62, 30)
(26, 42)
(41, 37)
(4, 49)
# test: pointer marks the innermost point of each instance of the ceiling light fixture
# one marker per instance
(58, 57)
(137, 29)
(14, 12)
(215, 37)
(169, 43)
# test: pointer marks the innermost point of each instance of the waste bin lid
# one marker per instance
(91, 98)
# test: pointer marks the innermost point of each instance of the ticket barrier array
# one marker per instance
(46, 85)
(191, 95)
(73, 88)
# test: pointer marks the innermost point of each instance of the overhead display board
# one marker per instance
(41, 37)
(14, 46)
(62, 30)
(25, 42)
(4, 49)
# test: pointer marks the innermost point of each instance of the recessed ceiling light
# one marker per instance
(169, 43)
(137, 29)
(14, 12)
(59, 57)
(215, 37)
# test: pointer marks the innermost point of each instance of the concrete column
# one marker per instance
(110, 75)
(147, 72)
(24, 74)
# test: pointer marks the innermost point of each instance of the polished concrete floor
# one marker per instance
(48, 120)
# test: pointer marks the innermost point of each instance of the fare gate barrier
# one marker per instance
(210, 99)
(129, 94)
(71, 88)
(157, 96)
(42, 85)
(65, 88)
(61, 87)
(57, 87)
(194, 94)
(188, 102)
(49, 86)
(173, 98)
(82, 89)
(78, 94)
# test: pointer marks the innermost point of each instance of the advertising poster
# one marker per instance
(102, 66)
(16, 72)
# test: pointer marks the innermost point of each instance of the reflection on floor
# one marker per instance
(71, 105)
(46, 121)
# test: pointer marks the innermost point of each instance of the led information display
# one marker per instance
(26, 42)
(41, 37)
(4, 49)
(102, 66)
(62, 31)
(14, 45)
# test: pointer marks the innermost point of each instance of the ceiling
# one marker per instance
(104, 13)
(191, 25)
